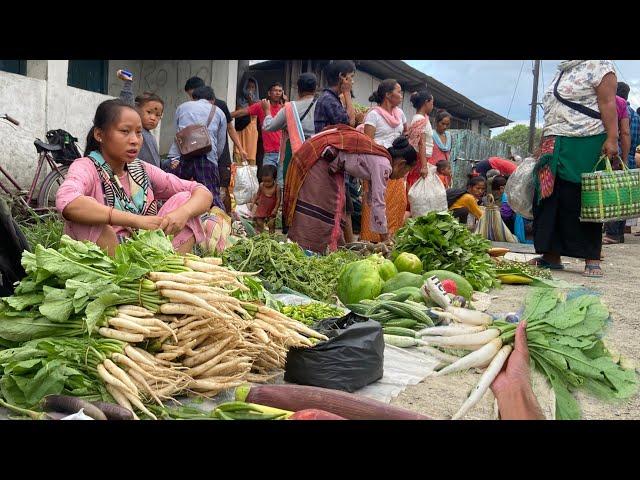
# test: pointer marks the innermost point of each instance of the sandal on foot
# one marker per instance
(593, 271)
(542, 263)
(609, 241)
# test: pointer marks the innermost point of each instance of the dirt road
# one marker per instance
(440, 397)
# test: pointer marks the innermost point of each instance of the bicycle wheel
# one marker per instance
(50, 185)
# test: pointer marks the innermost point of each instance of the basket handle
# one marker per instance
(607, 164)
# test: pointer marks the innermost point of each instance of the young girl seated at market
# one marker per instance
(444, 172)
(109, 192)
(267, 200)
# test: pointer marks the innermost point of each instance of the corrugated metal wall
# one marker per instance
(473, 146)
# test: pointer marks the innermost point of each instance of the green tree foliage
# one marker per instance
(518, 136)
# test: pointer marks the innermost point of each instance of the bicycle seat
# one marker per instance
(40, 146)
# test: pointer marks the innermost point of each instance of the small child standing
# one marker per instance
(444, 172)
(267, 199)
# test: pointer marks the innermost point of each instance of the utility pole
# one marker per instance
(534, 105)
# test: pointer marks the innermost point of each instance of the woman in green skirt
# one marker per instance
(580, 124)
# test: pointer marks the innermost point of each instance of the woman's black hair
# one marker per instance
(107, 113)
(442, 164)
(269, 171)
(418, 99)
(401, 148)
(275, 84)
(193, 83)
(441, 115)
(334, 69)
(498, 181)
(204, 93)
(386, 86)
(307, 82)
(475, 181)
(147, 97)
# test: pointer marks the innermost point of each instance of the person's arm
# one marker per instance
(254, 200)
(275, 209)
(273, 124)
(625, 139)
(126, 94)
(241, 112)
(231, 130)
(370, 131)
(221, 135)
(87, 211)
(512, 386)
(471, 204)
(198, 204)
(606, 95)
(378, 185)
(348, 104)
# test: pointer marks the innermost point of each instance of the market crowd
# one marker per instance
(313, 152)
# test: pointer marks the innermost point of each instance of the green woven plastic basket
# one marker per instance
(610, 194)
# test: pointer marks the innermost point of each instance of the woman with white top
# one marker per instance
(420, 134)
(384, 123)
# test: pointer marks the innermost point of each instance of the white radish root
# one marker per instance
(477, 359)
(485, 381)
(462, 341)
(449, 331)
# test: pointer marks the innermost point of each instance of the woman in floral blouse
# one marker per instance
(580, 124)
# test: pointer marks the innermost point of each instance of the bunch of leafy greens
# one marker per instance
(52, 366)
(443, 243)
(68, 290)
(285, 265)
(564, 334)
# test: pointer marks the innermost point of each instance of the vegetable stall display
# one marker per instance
(284, 264)
(564, 335)
(442, 243)
(137, 329)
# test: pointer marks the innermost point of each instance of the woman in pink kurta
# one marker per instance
(109, 193)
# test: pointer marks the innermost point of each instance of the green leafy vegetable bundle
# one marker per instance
(68, 290)
(565, 343)
(286, 265)
(443, 243)
(52, 366)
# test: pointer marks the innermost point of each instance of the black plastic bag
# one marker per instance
(352, 358)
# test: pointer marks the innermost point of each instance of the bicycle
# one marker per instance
(45, 200)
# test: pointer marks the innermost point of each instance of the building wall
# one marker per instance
(17, 153)
(42, 101)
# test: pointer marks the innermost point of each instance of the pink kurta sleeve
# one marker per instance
(165, 185)
(81, 180)
(380, 171)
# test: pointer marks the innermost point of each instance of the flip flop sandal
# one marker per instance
(591, 271)
(542, 263)
(609, 241)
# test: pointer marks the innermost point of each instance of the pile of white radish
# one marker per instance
(209, 340)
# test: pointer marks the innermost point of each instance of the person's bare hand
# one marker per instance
(266, 106)
(346, 86)
(516, 371)
(610, 147)
(244, 156)
(175, 222)
(150, 222)
(174, 163)
(424, 171)
(285, 98)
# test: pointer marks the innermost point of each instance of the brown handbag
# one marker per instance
(195, 140)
